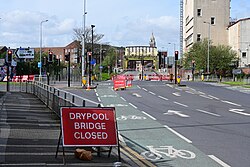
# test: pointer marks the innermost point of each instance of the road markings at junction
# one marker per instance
(214, 97)
(133, 105)
(144, 89)
(190, 92)
(228, 102)
(178, 134)
(136, 94)
(171, 86)
(207, 97)
(117, 105)
(223, 164)
(108, 96)
(206, 112)
(184, 105)
(239, 111)
(201, 92)
(164, 98)
(176, 94)
(152, 93)
(153, 118)
(123, 99)
(99, 99)
(179, 113)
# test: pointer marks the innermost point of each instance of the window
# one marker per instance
(212, 20)
(244, 54)
(198, 37)
(199, 12)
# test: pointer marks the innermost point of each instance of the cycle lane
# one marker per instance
(139, 131)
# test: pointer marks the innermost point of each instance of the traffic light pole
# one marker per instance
(69, 71)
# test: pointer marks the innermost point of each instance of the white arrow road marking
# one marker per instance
(172, 112)
(136, 94)
(176, 94)
(239, 111)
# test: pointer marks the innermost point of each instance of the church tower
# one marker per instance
(152, 42)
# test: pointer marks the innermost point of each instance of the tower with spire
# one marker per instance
(152, 42)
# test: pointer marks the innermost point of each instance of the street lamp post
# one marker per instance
(40, 73)
(83, 42)
(208, 46)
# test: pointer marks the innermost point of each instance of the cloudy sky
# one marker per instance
(123, 22)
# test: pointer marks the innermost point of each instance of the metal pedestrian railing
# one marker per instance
(53, 98)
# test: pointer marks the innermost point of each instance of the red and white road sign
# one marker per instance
(88, 126)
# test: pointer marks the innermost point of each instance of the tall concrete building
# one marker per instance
(205, 19)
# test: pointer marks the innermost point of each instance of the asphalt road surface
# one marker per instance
(215, 119)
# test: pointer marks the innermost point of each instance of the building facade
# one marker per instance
(239, 40)
(138, 57)
(205, 19)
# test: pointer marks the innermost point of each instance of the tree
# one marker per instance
(109, 60)
(221, 57)
(78, 35)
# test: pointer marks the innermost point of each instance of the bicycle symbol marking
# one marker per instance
(132, 117)
(154, 154)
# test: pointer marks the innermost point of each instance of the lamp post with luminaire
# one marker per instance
(208, 46)
(40, 73)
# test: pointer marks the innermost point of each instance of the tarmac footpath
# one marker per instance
(29, 134)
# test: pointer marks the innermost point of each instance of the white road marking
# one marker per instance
(133, 105)
(153, 118)
(239, 111)
(138, 86)
(96, 94)
(178, 134)
(171, 86)
(214, 97)
(136, 94)
(99, 99)
(123, 99)
(117, 105)
(223, 164)
(176, 94)
(144, 89)
(201, 92)
(180, 104)
(206, 112)
(164, 98)
(108, 96)
(190, 92)
(172, 112)
(152, 93)
(228, 102)
(206, 97)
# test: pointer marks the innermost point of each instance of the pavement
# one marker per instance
(29, 136)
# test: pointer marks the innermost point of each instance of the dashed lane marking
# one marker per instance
(153, 118)
(223, 164)
(206, 112)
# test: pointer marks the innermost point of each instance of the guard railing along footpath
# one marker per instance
(53, 98)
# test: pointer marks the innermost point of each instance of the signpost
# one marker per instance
(25, 53)
(82, 126)
(88, 126)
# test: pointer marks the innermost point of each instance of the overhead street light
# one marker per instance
(40, 73)
(83, 41)
(208, 46)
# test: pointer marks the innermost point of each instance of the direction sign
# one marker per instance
(25, 53)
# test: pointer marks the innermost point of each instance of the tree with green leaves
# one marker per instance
(221, 58)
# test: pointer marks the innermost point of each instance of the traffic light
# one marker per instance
(50, 57)
(67, 57)
(176, 55)
(9, 58)
(44, 61)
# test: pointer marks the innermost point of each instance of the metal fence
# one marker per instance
(52, 97)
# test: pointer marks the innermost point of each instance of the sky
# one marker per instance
(123, 22)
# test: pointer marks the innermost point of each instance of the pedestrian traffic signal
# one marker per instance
(9, 56)
(50, 57)
(176, 55)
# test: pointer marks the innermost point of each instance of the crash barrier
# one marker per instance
(157, 77)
